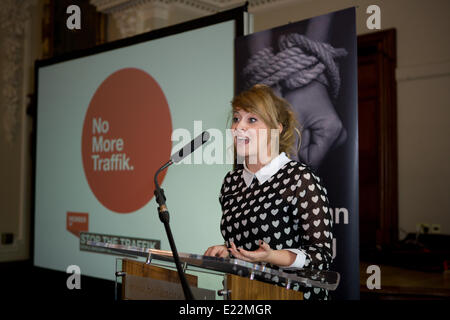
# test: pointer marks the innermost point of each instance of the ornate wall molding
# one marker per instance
(136, 16)
(13, 16)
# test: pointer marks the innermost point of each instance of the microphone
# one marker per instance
(183, 153)
(164, 213)
(190, 147)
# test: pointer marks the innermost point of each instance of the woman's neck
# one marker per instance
(255, 167)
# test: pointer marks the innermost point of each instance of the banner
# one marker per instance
(313, 65)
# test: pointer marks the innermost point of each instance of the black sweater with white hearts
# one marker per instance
(288, 211)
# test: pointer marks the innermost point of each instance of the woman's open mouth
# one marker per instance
(242, 140)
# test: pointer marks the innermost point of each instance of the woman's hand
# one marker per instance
(217, 251)
(262, 254)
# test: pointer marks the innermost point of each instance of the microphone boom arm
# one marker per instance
(162, 208)
(164, 217)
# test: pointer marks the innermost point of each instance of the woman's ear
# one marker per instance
(280, 127)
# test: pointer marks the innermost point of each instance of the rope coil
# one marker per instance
(299, 61)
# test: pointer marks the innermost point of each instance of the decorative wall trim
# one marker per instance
(432, 70)
(205, 6)
(13, 17)
(136, 16)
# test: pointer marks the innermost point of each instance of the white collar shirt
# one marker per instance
(267, 171)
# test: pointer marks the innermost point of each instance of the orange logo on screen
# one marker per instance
(77, 222)
(126, 138)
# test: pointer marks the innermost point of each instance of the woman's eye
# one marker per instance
(251, 120)
(235, 119)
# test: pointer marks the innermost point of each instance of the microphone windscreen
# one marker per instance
(190, 147)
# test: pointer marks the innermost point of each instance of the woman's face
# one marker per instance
(250, 137)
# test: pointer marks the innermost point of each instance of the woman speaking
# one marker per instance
(275, 209)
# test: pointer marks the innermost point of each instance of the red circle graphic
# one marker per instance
(126, 138)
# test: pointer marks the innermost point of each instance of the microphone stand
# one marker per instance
(164, 217)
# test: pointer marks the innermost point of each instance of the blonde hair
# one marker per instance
(273, 110)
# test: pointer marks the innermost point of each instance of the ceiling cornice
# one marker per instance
(201, 6)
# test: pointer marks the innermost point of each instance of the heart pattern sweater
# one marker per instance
(290, 210)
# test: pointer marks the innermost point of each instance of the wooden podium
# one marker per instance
(239, 288)
(241, 280)
(245, 289)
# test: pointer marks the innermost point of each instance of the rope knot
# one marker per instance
(298, 62)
